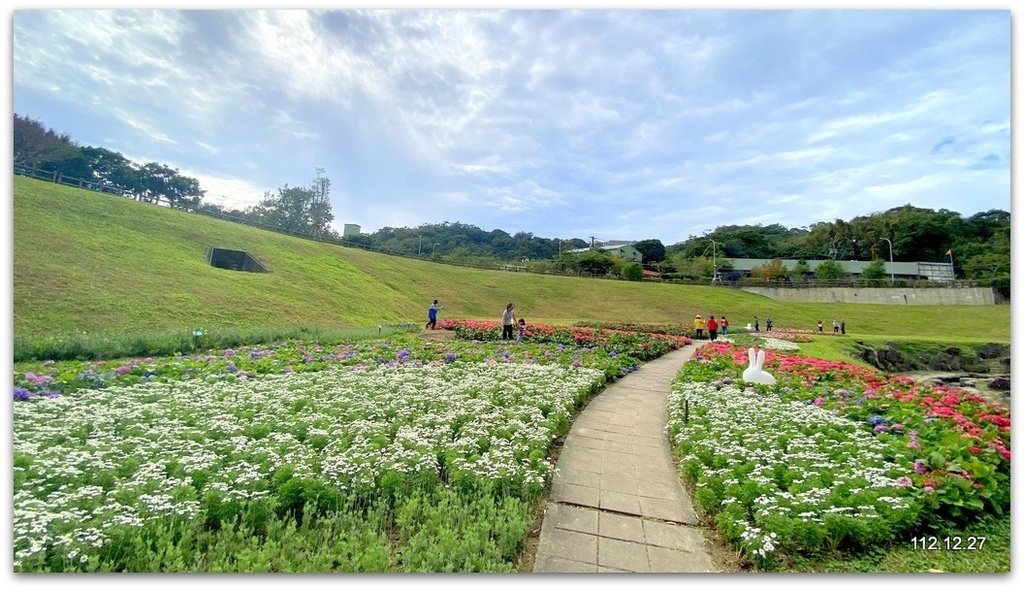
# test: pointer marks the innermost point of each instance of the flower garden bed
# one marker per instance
(391, 455)
(833, 455)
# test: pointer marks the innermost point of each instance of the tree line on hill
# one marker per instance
(978, 245)
(38, 149)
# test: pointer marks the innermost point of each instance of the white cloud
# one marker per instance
(546, 120)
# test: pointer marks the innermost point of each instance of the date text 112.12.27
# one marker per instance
(954, 543)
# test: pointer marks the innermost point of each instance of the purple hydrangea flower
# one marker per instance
(450, 357)
(21, 394)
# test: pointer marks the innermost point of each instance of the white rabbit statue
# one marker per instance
(753, 373)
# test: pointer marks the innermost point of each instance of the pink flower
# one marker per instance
(904, 481)
(914, 445)
(929, 489)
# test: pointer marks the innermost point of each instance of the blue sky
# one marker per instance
(618, 124)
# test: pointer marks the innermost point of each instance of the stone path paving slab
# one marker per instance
(616, 502)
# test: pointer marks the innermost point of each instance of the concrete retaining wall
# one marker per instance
(884, 295)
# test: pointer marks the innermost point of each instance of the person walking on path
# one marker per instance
(508, 320)
(835, 327)
(712, 328)
(768, 323)
(698, 327)
(842, 327)
(432, 315)
(821, 327)
(757, 324)
(724, 325)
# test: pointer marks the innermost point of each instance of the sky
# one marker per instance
(618, 124)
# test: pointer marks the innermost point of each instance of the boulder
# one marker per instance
(1000, 384)
(992, 350)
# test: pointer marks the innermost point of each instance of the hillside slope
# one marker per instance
(99, 263)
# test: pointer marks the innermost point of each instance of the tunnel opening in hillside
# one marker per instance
(233, 260)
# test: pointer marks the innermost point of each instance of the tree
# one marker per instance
(111, 168)
(800, 270)
(651, 250)
(35, 146)
(770, 271)
(829, 270)
(596, 262)
(298, 210)
(633, 272)
(874, 271)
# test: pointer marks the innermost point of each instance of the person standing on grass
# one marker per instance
(821, 327)
(842, 327)
(835, 327)
(712, 328)
(432, 316)
(724, 325)
(768, 323)
(508, 321)
(757, 324)
(698, 327)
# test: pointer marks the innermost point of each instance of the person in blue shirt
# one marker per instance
(432, 316)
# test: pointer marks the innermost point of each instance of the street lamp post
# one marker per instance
(714, 261)
(434, 251)
(419, 250)
(892, 273)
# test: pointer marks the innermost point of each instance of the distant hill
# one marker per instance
(101, 263)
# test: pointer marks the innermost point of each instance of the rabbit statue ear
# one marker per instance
(750, 354)
(760, 359)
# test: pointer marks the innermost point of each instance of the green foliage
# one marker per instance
(632, 272)
(829, 270)
(770, 271)
(652, 250)
(874, 271)
(86, 346)
(596, 262)
(304, 211)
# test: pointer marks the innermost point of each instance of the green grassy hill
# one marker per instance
(99, 263)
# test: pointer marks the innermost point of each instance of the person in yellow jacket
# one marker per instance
(698, 327)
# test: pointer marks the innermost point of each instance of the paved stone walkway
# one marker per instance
(616, 502)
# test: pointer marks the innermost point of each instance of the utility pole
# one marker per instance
(420, 249)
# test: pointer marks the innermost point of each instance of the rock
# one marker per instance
(992, 350)
(1000, 384)
(944, 362)
(888, 359)
(953, 351)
